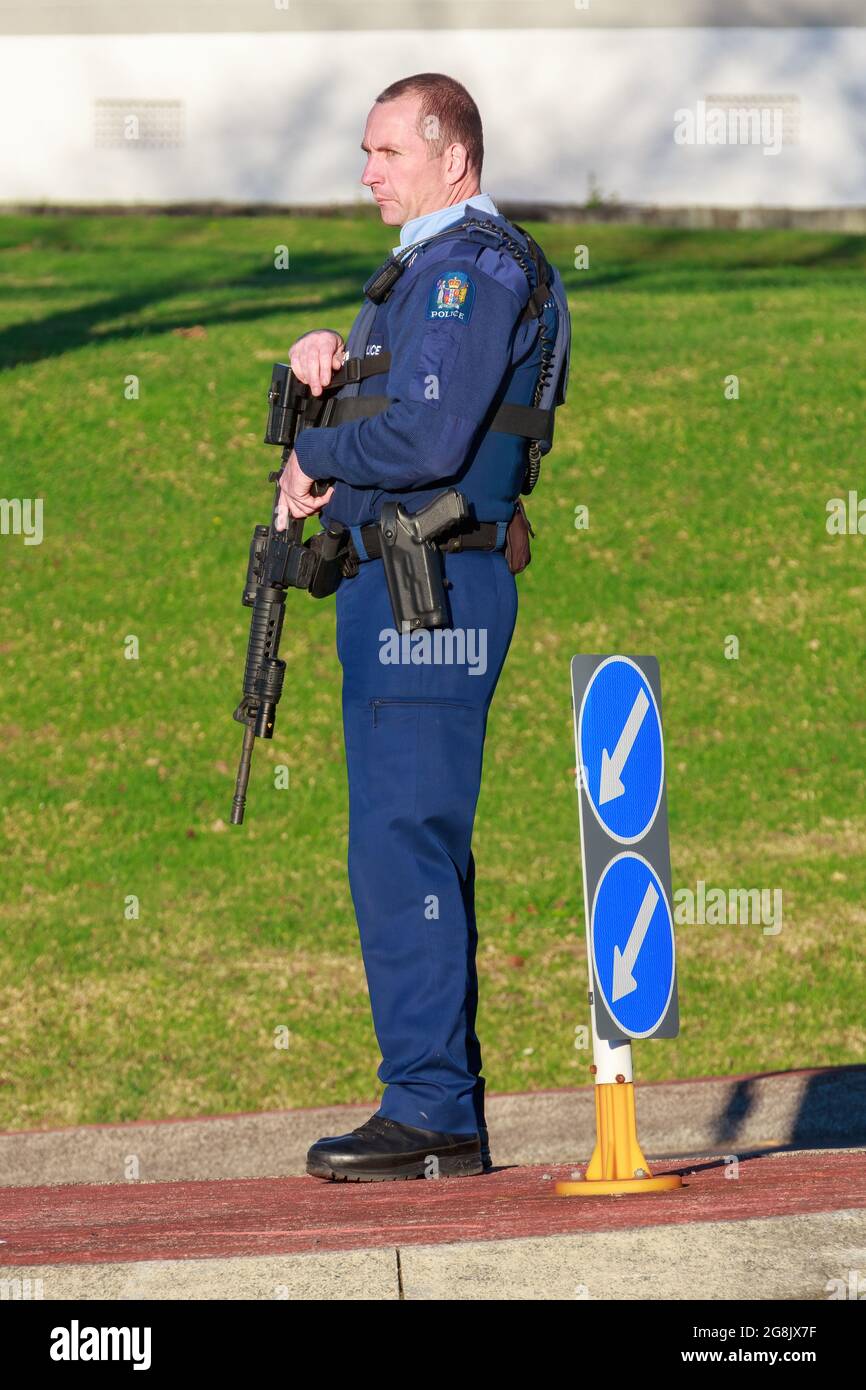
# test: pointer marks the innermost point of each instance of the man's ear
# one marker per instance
(457, 162)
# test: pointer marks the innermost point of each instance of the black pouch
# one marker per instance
(329, 548)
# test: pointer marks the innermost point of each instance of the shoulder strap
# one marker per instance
(318, 411)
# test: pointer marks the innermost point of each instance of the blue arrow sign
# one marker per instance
(621, 750)
(633, 945)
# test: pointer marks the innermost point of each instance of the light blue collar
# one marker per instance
(431, 222)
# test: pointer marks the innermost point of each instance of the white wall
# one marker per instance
(278, 117)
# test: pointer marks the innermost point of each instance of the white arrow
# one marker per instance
(623, 961)
(612, 764)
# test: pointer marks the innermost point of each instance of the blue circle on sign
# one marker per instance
(621, 749)
(633, 945)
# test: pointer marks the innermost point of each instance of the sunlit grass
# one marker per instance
(707, 520)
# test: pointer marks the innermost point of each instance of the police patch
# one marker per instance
(451, 297)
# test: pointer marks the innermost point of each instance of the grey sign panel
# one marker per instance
(622, 800)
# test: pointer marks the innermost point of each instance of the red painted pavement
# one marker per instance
(268, 1216)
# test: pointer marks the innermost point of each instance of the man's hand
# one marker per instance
(315, 356)
(312, 358)
(295, 495)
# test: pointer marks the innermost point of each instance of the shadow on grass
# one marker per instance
(65, 330)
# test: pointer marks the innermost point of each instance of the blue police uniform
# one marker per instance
(414, 726)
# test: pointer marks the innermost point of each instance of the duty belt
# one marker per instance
(469, 535)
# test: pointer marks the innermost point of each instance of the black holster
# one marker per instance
(413, 563)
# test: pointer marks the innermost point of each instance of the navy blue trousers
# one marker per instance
(414, 732)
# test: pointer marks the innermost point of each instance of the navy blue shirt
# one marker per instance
(458, 349)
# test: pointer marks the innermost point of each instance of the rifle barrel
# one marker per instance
(240, 796)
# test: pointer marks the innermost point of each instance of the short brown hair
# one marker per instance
(456, 115)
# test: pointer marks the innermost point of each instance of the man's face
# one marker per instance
(404, 181)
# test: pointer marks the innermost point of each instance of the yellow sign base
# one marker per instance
(617, 1164)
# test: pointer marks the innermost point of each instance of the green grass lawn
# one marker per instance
(707, 519)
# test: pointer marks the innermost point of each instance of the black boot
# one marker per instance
(484, 1140)
(381, 1150)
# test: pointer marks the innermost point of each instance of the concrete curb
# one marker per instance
(823, 1107)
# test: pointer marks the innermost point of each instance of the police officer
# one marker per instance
(466, 335)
